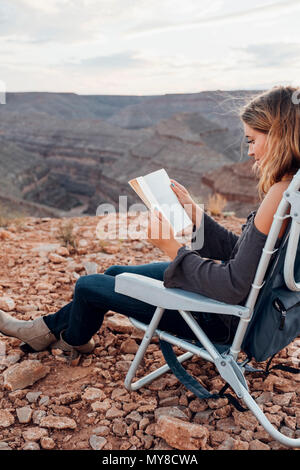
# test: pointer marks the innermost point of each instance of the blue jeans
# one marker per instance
(94, 295)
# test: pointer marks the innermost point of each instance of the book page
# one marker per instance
(148, 193)
(158, 184)
(135, 184)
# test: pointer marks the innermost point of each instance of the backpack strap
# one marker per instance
(268, 369)
(189, 382)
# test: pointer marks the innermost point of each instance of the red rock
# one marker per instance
(258, 445)
(290, 421)
(24, 414)
(58, 422)
(228, 425)
(31, 446)
(129, 346)
(159, 384)
(7, 304)
(24, 374)
(111, 249)
(37, 416)
(274, 419)
(44, 287)
(203, 417)
(101, 406)
(217, 403)
(119, 427)
(134, 416)
(171, 412)
(114, 412)
(97, 442)
(246, 435)
(47, 443)
(246, 420)
(55, 258)
(283, 399)
(4, 446)
(283, 385)
(68, 397)
(198, 405)
(123, 366)
(273, 409)
(63, 251)
(120, 394)
(119, 323)
(92, 394)
(268, 384)
(216, 437)
(151, 406)
(169, 401)
(6, 235)
(265, 397)
(222, 412)
(262, 435)
(34, 434)
(104, 430)
(180, 434)
(150, 430)
(227, 444)
(240, 445)
(6, 419)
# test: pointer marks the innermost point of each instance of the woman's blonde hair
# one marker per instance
(276, 113)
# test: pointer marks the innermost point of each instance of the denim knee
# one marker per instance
(80, 286)
(114, 270)
(85, 284)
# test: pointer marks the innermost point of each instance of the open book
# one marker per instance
(154, 190)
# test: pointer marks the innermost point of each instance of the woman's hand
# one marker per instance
(161, 234)
(192, 209)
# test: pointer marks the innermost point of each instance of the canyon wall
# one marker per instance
(72, 153)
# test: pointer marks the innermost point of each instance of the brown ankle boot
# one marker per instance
(84, 348)
(34, 333)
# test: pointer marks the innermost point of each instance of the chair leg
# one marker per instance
(153, 375)
(150, 331)
(258, 413)
(143, 346)
(231, 373)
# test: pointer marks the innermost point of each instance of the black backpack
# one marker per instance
(275, 322)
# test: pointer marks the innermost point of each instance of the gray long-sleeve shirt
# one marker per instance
(228, 282)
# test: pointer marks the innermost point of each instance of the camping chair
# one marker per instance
(224, 357)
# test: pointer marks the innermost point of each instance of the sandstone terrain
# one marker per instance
(46, 402)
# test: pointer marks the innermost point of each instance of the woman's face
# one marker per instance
(257, 144)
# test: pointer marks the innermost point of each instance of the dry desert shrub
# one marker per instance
(216, 204)
(66, 235)
(8, 217)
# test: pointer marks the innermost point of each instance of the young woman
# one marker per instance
(272, 126)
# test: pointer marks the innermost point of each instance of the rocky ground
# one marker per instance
(47, 403)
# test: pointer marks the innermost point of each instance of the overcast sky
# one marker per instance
(146, 47)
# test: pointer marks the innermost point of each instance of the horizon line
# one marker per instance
(137, 95)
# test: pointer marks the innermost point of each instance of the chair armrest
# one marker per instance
(153, 292)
